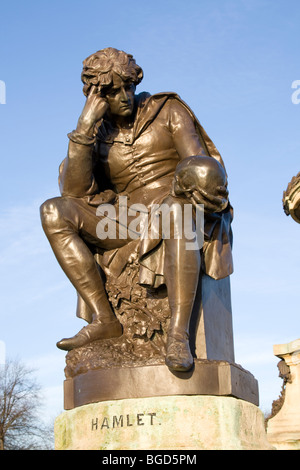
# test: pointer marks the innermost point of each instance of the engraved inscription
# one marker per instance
(121, 421)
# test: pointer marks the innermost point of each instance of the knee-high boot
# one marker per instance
(182, 269)
(79, 265)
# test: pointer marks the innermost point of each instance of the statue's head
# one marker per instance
(114, 75)
(100, 69)
(205, 176)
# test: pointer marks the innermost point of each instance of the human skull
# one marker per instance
(205, 177)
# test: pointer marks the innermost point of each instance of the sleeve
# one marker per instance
(185, 136)
(76, 171)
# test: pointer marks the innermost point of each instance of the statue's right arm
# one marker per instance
(76, 172)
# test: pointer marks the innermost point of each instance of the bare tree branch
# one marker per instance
(20, 402)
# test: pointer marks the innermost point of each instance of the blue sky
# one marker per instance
(233, 62)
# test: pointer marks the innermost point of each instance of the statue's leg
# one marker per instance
(70, 224)
(181, 271)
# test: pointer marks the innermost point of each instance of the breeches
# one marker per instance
(63, 214)
(75, 215)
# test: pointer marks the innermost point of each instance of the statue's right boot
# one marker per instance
(97, 330)
(78, 263)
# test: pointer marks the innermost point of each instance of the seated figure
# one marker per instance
(151, 150)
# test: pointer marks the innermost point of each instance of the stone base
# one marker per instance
(168, 423)
(284, 428)
(284, 441)
(283, 431)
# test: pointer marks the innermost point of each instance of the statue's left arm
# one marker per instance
(182, 126)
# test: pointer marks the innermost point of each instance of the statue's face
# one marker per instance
(121, 97)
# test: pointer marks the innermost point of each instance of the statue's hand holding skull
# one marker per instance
(202, 180)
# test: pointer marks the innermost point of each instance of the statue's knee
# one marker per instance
(50, 212)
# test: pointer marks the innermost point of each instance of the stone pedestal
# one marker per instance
(177, 422)
(119, 393)
(284, 429)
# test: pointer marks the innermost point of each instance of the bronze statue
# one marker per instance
(149, 150)
(291, 198)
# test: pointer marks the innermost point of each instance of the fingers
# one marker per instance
(95, 107)
(223, 190)
(211, 203)
(208, 207)
(93, 90)
(203, 195)
(197, 197)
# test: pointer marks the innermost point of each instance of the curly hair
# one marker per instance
(98, 69)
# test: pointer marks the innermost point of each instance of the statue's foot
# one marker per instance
(179, 357)
(93, 331)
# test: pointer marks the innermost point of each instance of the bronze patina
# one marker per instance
(291, 198)
(142, 149)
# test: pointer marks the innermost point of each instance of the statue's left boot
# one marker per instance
(182, 269)
(179, 357)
